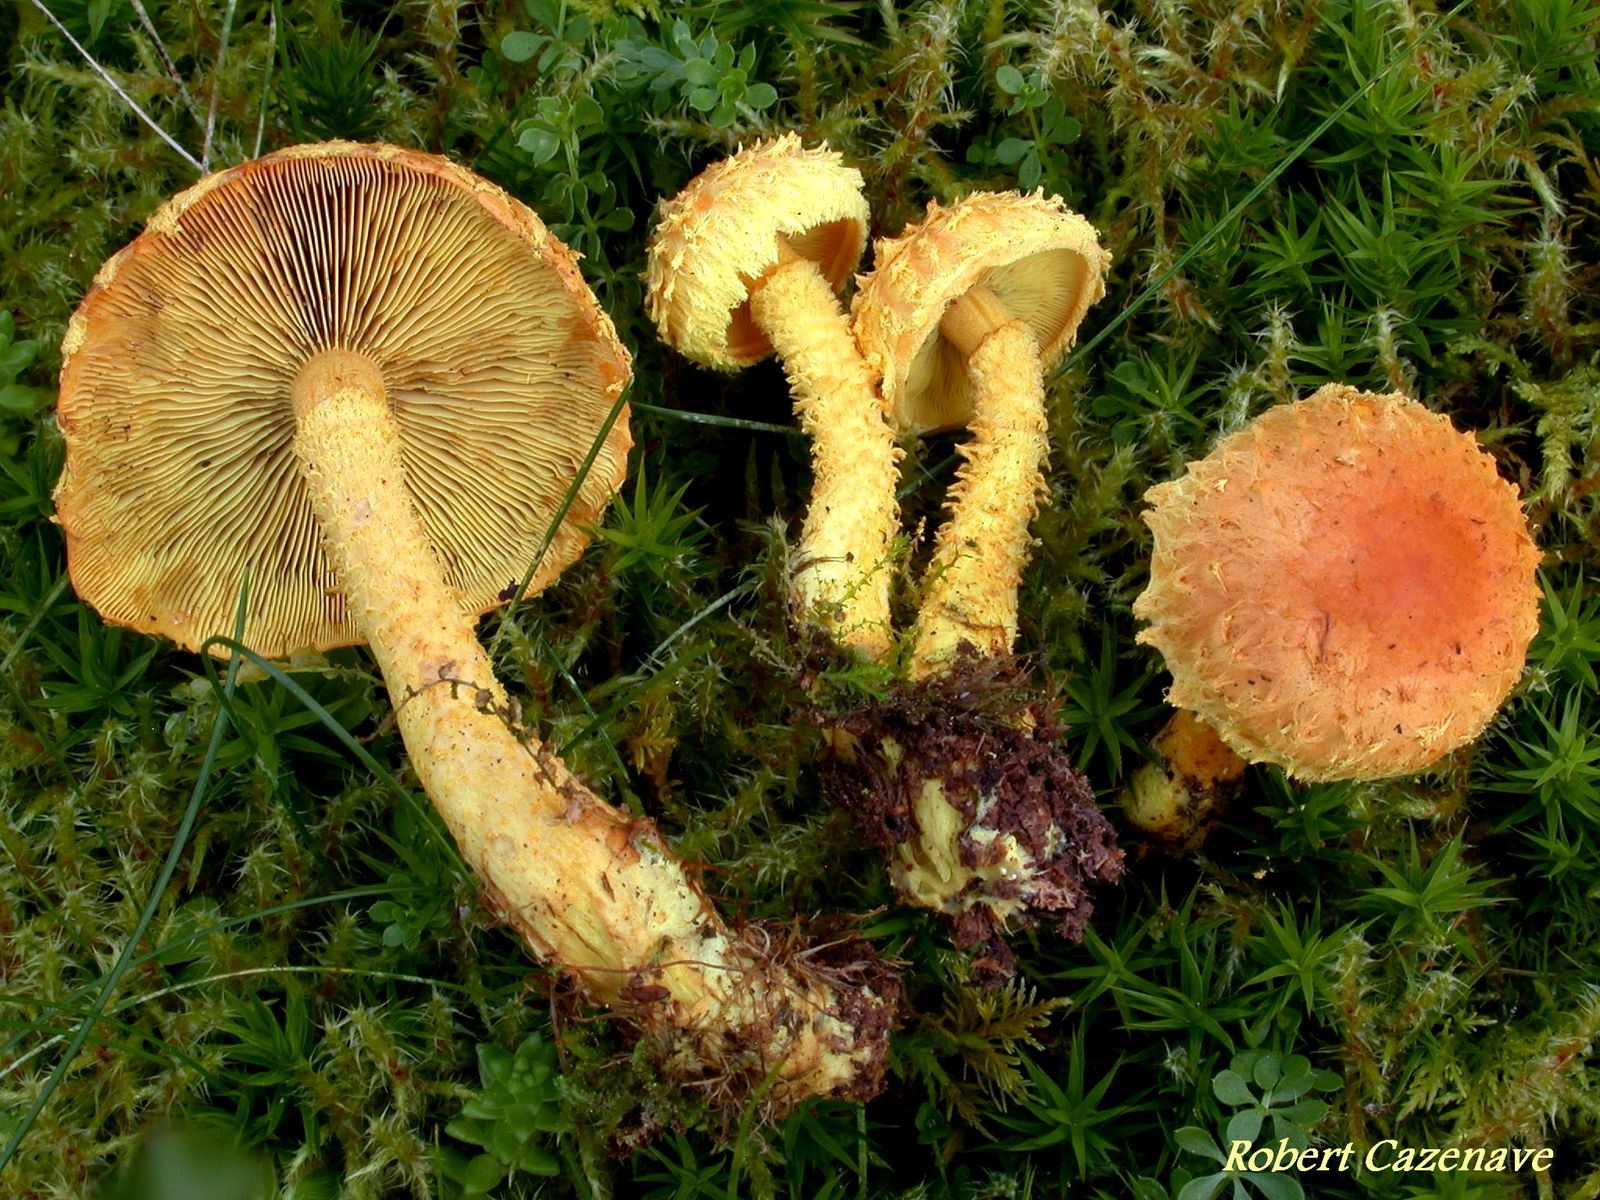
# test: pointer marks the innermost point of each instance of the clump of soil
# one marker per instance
(975, 800)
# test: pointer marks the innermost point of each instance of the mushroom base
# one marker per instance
(595, 893)
(1180, 797)
(981, 812)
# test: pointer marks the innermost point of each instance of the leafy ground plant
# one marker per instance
(224, 903)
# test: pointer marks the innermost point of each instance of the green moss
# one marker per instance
(1393, 194)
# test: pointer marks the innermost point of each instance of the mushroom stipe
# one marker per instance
(992, 826)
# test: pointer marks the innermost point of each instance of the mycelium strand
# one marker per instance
(594, 892)
(970, 594)
(842, 576)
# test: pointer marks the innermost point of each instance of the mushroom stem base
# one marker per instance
(592, 891)
(1181, 796)
(842, 580)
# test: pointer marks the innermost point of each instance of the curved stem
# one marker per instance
(970, 595)
(589, 889)
(843, 576)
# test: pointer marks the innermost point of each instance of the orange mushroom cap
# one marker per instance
(1345, 587)
(178, 367)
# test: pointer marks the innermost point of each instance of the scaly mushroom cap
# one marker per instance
(721, 234)
(181, 480)
(1042, 262)
(1345, 587)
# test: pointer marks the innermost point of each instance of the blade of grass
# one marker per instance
(279, 676)
(594, 721)
(266, 79)
(247, 973)
(700, 418)
(114, 976)
(216, 87)
(654, 663)
(584, 468)
(28, 630)
(33, 1026)
(126, 99)
(928, 474)
(166, 58)
(10, 1046)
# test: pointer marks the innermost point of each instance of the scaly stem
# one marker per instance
(971, 592)
(843, 576)
(591, 890)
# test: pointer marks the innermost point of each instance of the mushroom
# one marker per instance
(1344, 588)
(747, 260)
(364, 379)
(964, 784)
(961, 316)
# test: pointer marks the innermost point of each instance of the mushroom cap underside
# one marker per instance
(1346, 587)
(724, 231)
(181, 480)
(1043, 263)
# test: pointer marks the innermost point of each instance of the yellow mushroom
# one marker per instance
(961, 316)
(1177, 797)
(966, 787)
(364, 379)
(747, 260)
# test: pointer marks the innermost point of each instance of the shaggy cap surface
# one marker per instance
(723, 232)
(1345, 587)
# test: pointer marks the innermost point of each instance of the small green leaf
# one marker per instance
(1197, 1141)
(1010, 151)
(1267, 1072)
(1009, 80)
(1231, 1089)
(1276, 1186)
(1245, 1125)
(482, 1174)
(1202, 1188)
(19, 401)
(520, 45)
(540, 143)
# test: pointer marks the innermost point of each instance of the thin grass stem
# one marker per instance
(216, 87)
(139, 112)
(166, 57)
(700, 418)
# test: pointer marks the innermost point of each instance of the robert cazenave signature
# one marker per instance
(1387, 1155)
